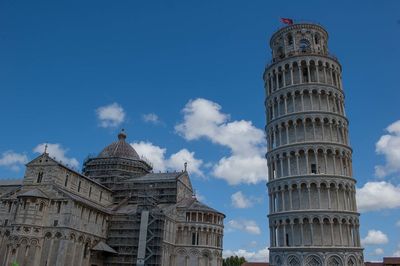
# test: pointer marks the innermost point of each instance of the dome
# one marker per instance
(120, 149)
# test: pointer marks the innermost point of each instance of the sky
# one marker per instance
(184, 79)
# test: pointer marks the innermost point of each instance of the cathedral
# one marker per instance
(116, 212)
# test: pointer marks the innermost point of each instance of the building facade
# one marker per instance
(313, 217)
(116, 212)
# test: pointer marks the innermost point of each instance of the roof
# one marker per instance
(120, 149)
(156, 176)
(194, 204)
(391, 260)
(83, 200)
(37, 193)
(101, 246)
(255, 264)
(11, 182)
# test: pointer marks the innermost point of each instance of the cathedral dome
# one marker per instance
(120, 149)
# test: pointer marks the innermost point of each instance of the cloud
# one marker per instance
(375, 237)
(398, 223)
(397, 252)
(375, 196)
(261, 255)
(57, 151)
(156, 155)
(378, 251)
(389, 146)
(246, 164)
(111, 115)
(248, 226)
(151, 118)
(239, 200)
(13, 160)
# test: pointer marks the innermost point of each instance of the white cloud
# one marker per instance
(261, 255)
(111, 115)
(57, 151)
(246, 164)
(151, 118)
(389, 146)
(378, 251)
(239, 200)
(398, 223)
(397, 252)
(375, 196)
(13, 160)
(248, 226)
(156, 155)
(375, 237)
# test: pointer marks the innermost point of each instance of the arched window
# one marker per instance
(289, 39)
(39, 177)
(317, 38)
(280, 53)
(305, 45)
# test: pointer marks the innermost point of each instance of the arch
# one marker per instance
(313, 260)
(351, 261)
(334, 261)
(278, 261)
(293, 260)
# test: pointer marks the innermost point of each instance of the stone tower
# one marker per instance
(313, 217)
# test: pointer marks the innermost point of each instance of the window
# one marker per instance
(79, 186)
(289, 39)
(5, 222)
(66, 181)
(316, 38)
(193, 238)
(55, 222)
(101, 194)
(304, 45)
(39, 177)
(41, 206)
(24, 204)
(313, 168)
(90, 191)
(287, 240)
(58, 207)
(9, 207)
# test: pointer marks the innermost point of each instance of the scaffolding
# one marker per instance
(136, 233)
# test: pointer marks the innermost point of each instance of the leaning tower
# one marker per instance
(313, 217)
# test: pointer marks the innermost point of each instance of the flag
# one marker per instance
(288, 21)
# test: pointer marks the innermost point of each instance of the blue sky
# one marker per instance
(64, 65)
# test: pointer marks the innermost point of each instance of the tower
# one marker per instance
(313, 217)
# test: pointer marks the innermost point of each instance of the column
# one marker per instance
(290, 197)
(302, 101)
(328, 102)
(281, 164)
(284, 76)
(326, 162)
(285, 100)
(300, 74)
(317, 70)
(291, 74)
(311, 99)
(287, 132)
(307, 171)
(329, 197)
(319, 195)
(297, 162)
(308, 71)
(283, 199)
(332, 238)
(289, 171)
(325, 79)
(293, 101)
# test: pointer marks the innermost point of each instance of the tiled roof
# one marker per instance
(101, 246)
(37, 193)
(195, 205)
(156, 176)
(120, 149)
(11, 182)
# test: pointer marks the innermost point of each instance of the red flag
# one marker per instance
(287, 21)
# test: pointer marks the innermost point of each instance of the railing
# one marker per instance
(299, 53)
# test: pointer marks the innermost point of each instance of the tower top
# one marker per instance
(299, 38)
